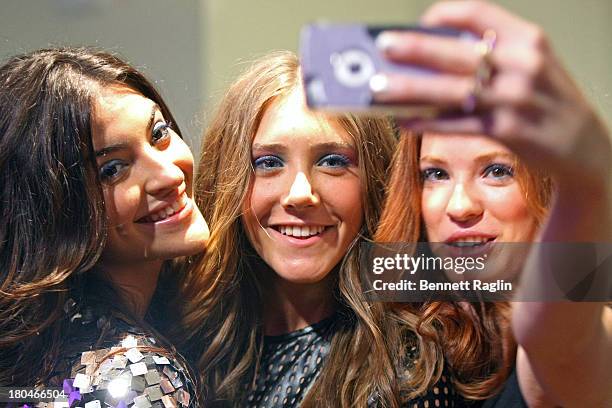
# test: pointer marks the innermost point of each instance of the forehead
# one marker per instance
(119, 111)
(289, 119)
(460, 147)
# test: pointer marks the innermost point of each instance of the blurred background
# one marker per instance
(194, 49)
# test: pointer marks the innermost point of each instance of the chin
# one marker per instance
(192, 247)
(301, 275)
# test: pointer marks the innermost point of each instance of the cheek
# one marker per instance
(509, 208)
(433, 206)
(262, 198)
(121, 204)
(183, 157)
(506, 204)
(257, 207)
(345, 197)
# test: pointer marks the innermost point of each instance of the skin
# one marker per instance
(474, 194)
(144, 167)
(535, 109)
(305, 173)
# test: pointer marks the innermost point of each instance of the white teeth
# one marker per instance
(470, 241)
(303, 231)
(169, 210)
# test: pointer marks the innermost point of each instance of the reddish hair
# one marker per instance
(473, 339)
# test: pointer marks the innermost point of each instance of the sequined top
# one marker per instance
(291, 362)
(108, 362)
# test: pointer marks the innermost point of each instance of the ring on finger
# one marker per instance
(484, 70)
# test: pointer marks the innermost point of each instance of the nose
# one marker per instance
(463, 205)
(300, 194)
(164, 176)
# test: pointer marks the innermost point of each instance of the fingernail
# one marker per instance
(379, 83)
(385, 42)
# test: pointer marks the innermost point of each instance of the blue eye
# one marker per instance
(160, 131)
(111, 170)
(498, 171)
(267, 163)
(433, 174)
(334, 160)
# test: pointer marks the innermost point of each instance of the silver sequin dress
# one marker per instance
(108, 362)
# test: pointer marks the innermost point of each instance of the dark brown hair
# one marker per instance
(51, 204)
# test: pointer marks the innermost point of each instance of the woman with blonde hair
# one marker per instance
(276, 313)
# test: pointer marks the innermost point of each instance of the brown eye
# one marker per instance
(111, 170)
(160, 131)
(498, 171)
(434, 174)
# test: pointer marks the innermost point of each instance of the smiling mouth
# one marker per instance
(301, 232)
(168, 211)
(470, 242)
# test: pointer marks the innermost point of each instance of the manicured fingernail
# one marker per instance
(385, 42)
(379, 83)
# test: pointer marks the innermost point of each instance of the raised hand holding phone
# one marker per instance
(529, 102)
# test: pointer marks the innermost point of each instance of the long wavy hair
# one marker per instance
(53, 220)
(474, 339)
(223, 315)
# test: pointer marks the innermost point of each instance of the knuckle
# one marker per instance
(534, 63)
(472, 8)
(537, 37)
(522, 92)
(506, 124)
(415, 45)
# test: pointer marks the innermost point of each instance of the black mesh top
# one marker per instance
(291, 362)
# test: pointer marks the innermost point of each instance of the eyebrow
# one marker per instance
(121, 146)
(480, 159)
(111, 149)
(280, 147)
(277, 147)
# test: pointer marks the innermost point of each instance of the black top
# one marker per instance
(509, 397)
(107, 359)
(291, 362)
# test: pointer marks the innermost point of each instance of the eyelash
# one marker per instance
(261, 163)
(269, 162)
(344, 161)
(113, 164)
(159, 133)
(440, 174)
(508, 171)
(162, 129)
(426, 174)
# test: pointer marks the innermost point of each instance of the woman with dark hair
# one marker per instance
(96, 186)
(540, 132)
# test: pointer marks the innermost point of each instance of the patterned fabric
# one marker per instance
(110, 363)
(291, 362)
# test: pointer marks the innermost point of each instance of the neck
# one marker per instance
(290, 306)
(135, 283)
